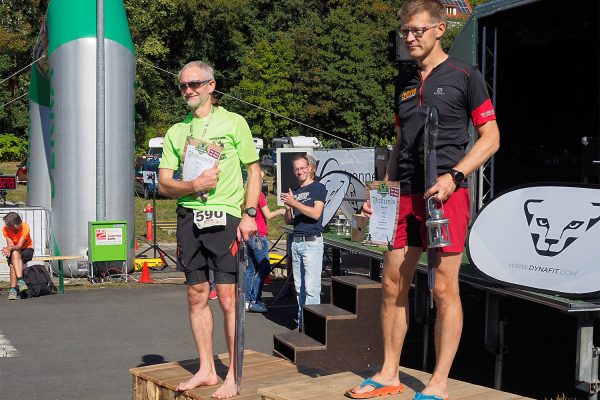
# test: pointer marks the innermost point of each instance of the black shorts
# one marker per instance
(212, 248)
(26, 255)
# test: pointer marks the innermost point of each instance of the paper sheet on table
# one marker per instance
(198, 156)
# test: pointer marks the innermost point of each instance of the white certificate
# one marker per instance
(198, 156)
(385, 203)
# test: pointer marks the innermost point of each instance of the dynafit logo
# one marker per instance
(554, 228)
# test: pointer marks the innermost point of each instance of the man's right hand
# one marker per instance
(367, 208)
(207, 180)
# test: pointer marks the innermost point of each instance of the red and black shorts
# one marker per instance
(26, 255)
(199, 250)
(410, 230)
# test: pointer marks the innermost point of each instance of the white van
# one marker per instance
(155, 146)
(297, 141)
(258, 143)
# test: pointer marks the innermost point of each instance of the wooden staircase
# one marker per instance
(341, 336)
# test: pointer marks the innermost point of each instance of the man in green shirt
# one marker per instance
(210, 220)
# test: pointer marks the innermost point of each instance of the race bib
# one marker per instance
(206, 219)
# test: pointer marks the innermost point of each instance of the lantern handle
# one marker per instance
(431, 210)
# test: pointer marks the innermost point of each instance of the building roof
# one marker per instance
(463, 8)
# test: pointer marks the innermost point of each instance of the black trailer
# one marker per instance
(540, 59)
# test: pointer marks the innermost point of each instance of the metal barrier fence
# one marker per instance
(38, 219)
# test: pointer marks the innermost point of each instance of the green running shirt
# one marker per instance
(227, 129)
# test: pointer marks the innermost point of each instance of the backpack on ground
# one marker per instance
(38, 281)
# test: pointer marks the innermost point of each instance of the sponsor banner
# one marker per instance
(150, 177)
(357, 162)
(545, 237)
(109, 236)
(344, 173)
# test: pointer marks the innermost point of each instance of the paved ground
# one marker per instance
(80, 345)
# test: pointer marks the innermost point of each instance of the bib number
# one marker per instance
(206, 219)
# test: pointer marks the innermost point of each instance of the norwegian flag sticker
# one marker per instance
(213, 153)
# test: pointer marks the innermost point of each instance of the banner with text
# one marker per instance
(544, 237)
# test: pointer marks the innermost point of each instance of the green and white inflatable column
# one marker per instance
(72, 59)
(38, 159)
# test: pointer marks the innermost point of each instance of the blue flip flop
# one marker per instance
(421, 396)
(379, 390)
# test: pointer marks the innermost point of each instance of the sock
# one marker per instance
(20, 280)
(14, 288)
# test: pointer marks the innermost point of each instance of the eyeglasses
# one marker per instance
(194, 85)
(300, 169)
(416, 32)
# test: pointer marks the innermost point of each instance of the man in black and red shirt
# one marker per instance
(460, 94)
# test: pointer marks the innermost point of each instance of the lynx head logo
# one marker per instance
(554, 226)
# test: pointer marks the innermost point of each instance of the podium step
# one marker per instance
(333, 387)
(357, 295)
(357, 282)
(289, 344)
(325, 321)
(158, 382)
(343, 335)
(328, 312)
(269, 378)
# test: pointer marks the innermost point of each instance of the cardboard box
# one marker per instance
(360, 226)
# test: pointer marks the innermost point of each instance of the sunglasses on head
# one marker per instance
(194, 85)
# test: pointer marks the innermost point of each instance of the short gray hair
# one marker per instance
(200, 64)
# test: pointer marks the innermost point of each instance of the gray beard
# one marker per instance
(194, 107)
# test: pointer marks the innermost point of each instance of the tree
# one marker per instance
(475, 3)
(19, 27)
(267, 72)
(320, 62)
(356, 76)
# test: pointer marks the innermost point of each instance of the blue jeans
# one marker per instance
(258, 267)
(307, 262)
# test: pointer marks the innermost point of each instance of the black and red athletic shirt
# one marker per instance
(460, 94)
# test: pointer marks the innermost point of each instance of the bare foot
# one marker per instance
(227, 390)
(199, 379)
(377, 378)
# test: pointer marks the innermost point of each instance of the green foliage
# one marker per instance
(454, 28)
(475, 3)
(323, 63)
(19, 27)
(12, 147)
(267, 72)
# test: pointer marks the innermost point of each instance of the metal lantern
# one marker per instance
(438, 231)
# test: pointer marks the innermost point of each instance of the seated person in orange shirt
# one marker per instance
(18, 251)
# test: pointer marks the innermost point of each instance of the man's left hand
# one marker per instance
(443, 188)
(246, 228)
(288, 198)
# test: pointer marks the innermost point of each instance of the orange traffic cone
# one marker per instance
(146, 278)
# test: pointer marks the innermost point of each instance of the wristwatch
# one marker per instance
(457, 176)
(250, 211)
